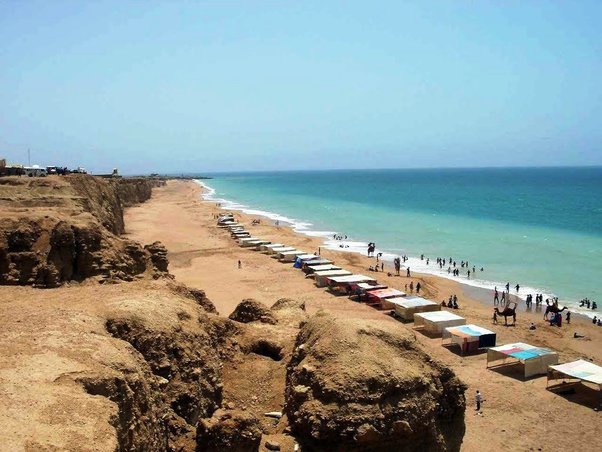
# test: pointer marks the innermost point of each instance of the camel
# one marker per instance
(508, 312)
(553, 308)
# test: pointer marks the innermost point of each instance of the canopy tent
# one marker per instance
(578, 370)
(321, 268)
(470, 337)
(535, 360)
(322, 277)
(436, 322)
(406, 307)
(382, 296)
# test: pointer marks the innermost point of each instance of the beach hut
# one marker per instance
(319, 268)
(344, 283)
(279, 249)
(289, 256)
(322, 276)
(379, 297)
(252, 243)
(406, 307)
(270, 246)
(248, 239)
(304, 258)
(436, 322)
(575, 372)
(534, 360)
(318, 261)
(470, 337)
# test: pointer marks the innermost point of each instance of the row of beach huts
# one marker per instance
(426, 314)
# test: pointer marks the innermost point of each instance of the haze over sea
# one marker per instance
(539, 227)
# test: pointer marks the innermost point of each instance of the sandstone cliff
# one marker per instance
(58, 229)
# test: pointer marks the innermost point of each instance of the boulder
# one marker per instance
(365, 385)
(250, 310)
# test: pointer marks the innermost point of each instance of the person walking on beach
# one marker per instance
(517, 287)
(479, 400)
(239, 264)
(507, 287)
(412, 286)
(418, 287)
(496, 296)
(408, 272)
(568, 317)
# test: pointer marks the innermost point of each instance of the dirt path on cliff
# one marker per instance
(517, 415)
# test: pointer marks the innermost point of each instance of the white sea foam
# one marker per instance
(360, 247)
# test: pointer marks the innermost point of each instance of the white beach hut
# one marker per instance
(408, 306)
(436, 322)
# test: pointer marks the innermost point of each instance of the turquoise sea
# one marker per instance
(538, 227)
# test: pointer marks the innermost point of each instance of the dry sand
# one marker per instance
(516, 415)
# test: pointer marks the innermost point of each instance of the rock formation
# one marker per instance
(361, 385)
(250, 310)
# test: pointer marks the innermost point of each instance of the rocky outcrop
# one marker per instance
(361, 385)
(56, 230)
(231, 430)
(250, 310)
(158, 256)
(186, 364)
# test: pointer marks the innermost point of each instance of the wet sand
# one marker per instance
(517, 414)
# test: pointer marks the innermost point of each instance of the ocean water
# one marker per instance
(538, 227)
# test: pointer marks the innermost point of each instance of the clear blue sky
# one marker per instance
(205, 86)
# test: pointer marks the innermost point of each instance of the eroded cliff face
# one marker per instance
(109, 368)
(54, 230)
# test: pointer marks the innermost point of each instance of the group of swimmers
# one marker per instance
(589, 304)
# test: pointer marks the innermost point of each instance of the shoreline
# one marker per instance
(481, 289)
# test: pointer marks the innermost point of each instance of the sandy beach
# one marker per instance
(517, 414)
